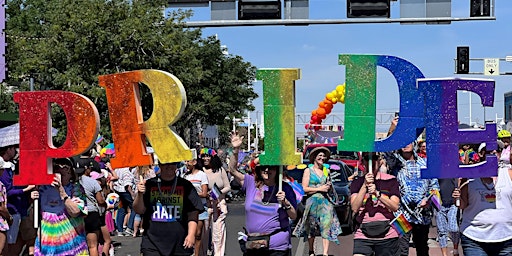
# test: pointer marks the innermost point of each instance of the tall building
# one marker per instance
(508, 107)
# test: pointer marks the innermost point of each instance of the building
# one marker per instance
(508, 106)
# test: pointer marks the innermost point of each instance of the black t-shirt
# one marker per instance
(168, 211)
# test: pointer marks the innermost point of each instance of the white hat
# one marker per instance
(482, 145)
(4, 164)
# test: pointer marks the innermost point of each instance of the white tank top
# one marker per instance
(488, 217)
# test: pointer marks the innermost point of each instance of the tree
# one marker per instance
(67, 44)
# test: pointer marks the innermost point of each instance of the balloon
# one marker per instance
(322, 117)
(329, 96)
(342, 99)
(340, 88)
(328, 110)
(321, 111)
(313, 113)
(326, 101)
(334, 94)
(320, 105)
(314, 118)
(334, 100)
(306, 126)
(328, 106)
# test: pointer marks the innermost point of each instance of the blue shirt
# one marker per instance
(413, 189)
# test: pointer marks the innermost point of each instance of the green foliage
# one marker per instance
(67, 44)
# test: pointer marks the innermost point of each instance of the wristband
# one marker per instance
(288, 207)
(65, 198)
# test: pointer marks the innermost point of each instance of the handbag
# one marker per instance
(257, 242)
(375, 229)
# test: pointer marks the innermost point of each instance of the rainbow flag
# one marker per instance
(435, 198)
(401, 225)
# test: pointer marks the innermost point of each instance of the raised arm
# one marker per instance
(236, 141)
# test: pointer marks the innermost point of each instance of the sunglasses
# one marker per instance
(265, 169)
(367, 157)
(61, 166)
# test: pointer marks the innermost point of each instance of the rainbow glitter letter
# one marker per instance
(128, 129)
(443, 136)
(36, 147)
(279, 111)
(360, 102)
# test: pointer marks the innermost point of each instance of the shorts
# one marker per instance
(27, 230)
(137, 217)
(102, 220)
(204, 215)
(92, 222)
(384, 247)
(12, 233)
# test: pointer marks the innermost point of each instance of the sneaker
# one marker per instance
(119, 233)
(128, 232)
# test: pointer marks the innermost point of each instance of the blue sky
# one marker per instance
(315, 48)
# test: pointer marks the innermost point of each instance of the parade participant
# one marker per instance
(199, 179)
(123, 187)
(5, 216)
(95, 200)
(268, 210)
(446, 217)
(18, 202)
(486, 220)
(422, 149)
(106, 241)
(63, 207)
(218, 181)
(146, 173)
(506, 153)
(319, 211)
(374, 198)
(414, 196)
(170, 207)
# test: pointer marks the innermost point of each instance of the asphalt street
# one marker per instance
(129, 246)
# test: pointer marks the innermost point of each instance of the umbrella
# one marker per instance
(108, 149)
(10, 135)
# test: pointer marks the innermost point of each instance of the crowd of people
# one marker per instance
(79, 211)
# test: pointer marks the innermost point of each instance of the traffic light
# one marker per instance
(480, 8)
(368, 8)
(462, 59)
(259, 9)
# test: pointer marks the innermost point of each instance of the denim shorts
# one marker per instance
(471, 247)
(204, 215)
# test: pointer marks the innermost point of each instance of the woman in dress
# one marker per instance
(267, 210)
(63, 208)
(319, 213)
(218, 185)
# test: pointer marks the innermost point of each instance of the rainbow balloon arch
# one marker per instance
(318, 115)
(325, 107)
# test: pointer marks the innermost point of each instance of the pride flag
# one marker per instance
(401, 225)
(215, 192)
(435, 198)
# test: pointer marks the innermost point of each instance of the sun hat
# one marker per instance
(316, 151)
(208, 151)
(96, 175)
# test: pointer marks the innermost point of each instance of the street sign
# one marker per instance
(492, 67)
